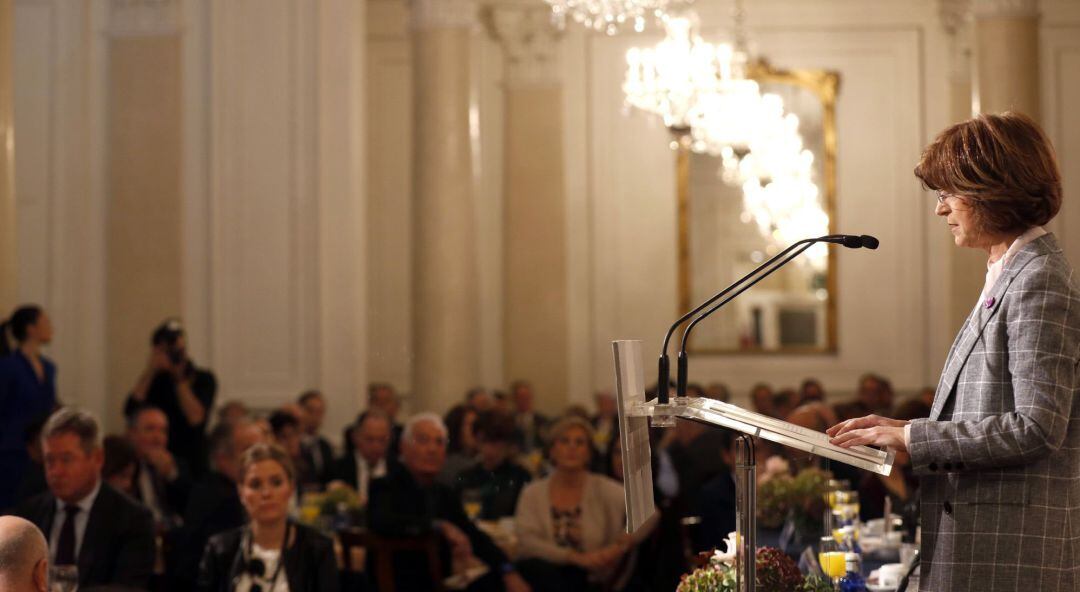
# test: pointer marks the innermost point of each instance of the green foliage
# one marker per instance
(776, 572)
(814, 583)
(802, 496)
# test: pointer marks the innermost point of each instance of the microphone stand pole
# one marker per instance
(745, 514)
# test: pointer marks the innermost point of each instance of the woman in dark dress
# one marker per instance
(27, 390)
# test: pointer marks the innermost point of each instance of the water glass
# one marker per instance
(63, 578)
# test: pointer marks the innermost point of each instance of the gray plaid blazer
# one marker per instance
(999, 457)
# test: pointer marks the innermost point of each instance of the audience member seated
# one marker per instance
(286, 429)
(271, 552)
(718, 391)
(715, 502)
(571, 524)
(409, 501)
(27, 392)
(916, 407)
(232, 412)
(368, 460)
(874, 396)
(159, 481)
(496, 479)
(693, 449)
(382, 396)
(501, 403)
(461, 448)
(173, 383)
(214, 503)
(605, 423)
(24, 556)
(317, 451)
(120, 464)
(761, 396)
(107, 535)
(479, 399)
(784, 402)
(811, 390)
(531, 425)
(33, 479)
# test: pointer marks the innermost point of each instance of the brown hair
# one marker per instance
(1003, 166)
(260, 452)
(68, 420)
(567, 423)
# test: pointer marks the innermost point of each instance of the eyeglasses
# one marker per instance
(941, 196)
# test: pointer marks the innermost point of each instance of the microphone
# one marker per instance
(847, 240)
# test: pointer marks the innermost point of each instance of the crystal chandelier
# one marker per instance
(702, 93)
(608, 16)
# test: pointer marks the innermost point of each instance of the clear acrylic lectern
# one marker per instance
(634, 416)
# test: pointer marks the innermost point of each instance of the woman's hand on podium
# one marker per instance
(870, 430)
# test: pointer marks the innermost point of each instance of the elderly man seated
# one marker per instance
(107, 535)
(409, 502)
(24, 556)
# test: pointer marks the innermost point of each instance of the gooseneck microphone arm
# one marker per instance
(665, 368)
(849, 241)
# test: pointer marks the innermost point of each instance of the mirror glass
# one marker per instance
(725, 234)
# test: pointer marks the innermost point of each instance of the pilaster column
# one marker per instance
(535, 290)
(8, 262)
(143, 170)
(446, 316)
(966, 267)
(1007, 56)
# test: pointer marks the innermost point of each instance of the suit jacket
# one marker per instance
(213, 507)
(118, 545)
(401, 507)
(322, 461)
(999, 456)
(310, 565)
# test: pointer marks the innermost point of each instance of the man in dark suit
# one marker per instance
(107, 535)
(214, 504)
(161, 482)
(531, 426)
(383, 397)
(410, 502)
(316, 450)
(370, 444)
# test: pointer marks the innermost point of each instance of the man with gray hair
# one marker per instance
(108, 536)
(409, 501)
(24, 556)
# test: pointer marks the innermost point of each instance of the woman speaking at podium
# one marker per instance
(999, 456)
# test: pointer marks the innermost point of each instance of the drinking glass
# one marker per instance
(831, 558)
(63, 578)
(471, 499)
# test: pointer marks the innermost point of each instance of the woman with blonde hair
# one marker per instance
(271, 553)
(571, 524)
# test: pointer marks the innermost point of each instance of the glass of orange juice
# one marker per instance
(831, 558)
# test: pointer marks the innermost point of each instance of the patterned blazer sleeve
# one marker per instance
(1042, 351)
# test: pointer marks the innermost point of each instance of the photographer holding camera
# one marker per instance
(185, 393)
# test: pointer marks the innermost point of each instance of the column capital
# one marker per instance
(441, 14)
(954, 14)
(143, 18)
(529, 41)
(1006, 8)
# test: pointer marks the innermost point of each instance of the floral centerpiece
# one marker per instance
(800, 498)
(775, 572)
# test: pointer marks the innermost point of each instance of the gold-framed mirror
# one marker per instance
(724, 235)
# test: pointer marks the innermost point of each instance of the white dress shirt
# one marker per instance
(85, 504)
(365, 473)
(993, 272)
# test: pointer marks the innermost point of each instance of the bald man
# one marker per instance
(24, 556)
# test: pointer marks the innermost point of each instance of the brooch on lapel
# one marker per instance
(989, 302)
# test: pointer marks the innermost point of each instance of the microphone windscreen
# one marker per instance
(852, 242)
(869, 242)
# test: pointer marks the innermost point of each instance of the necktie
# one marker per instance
(65, 547)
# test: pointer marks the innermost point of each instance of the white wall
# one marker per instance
(274, 260)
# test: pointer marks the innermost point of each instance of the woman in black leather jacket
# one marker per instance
(270, 553)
